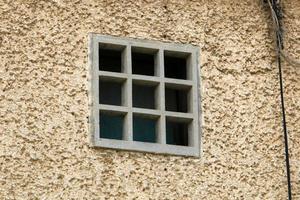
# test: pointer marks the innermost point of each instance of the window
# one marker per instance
(144, 95)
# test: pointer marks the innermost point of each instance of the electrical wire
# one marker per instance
(277, 16)
(286, 145)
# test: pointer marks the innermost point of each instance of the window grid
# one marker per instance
(126, 108)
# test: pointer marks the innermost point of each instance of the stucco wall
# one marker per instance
(44, 142)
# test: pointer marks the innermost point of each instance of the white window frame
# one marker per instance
(194, 146)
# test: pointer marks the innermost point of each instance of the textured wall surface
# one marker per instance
(44, 142)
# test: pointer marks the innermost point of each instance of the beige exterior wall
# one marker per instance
(44, 141)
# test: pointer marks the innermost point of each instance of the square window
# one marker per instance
(176, 100)
(147, 93)
(143, 96)
(111, 126)
(144, 129)
(143, 63)
(177, 133)
(110, 58)
(110, 92)
(175, 66)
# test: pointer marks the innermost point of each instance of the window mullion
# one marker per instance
(127, 64)
(95, 89)
(161, 132)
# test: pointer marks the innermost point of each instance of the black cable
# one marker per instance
(279, 41)
(276, 12)
(286, 145)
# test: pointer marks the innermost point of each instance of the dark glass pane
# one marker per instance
(177, 133)
(110, 92)
(111, 126)
(176, 100)
(143, 96)
(144, 130)
(143, 64)
(175, 67)
(110, 60)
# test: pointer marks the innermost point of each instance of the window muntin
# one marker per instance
(144, 95)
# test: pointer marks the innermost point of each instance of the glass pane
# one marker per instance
(143, 63)
(176, 100)
(111, 126)
(110, 92)
(144, 129)
(110, 60)
(143, 96)
(177, 133)
(175, 67)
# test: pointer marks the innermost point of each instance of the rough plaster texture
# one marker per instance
(44, 146)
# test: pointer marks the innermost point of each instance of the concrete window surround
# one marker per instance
(174, 94)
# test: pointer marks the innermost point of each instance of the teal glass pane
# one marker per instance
(177, 133)
(111, 126)
(144, 130)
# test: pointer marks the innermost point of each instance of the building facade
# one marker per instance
(45, 148)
